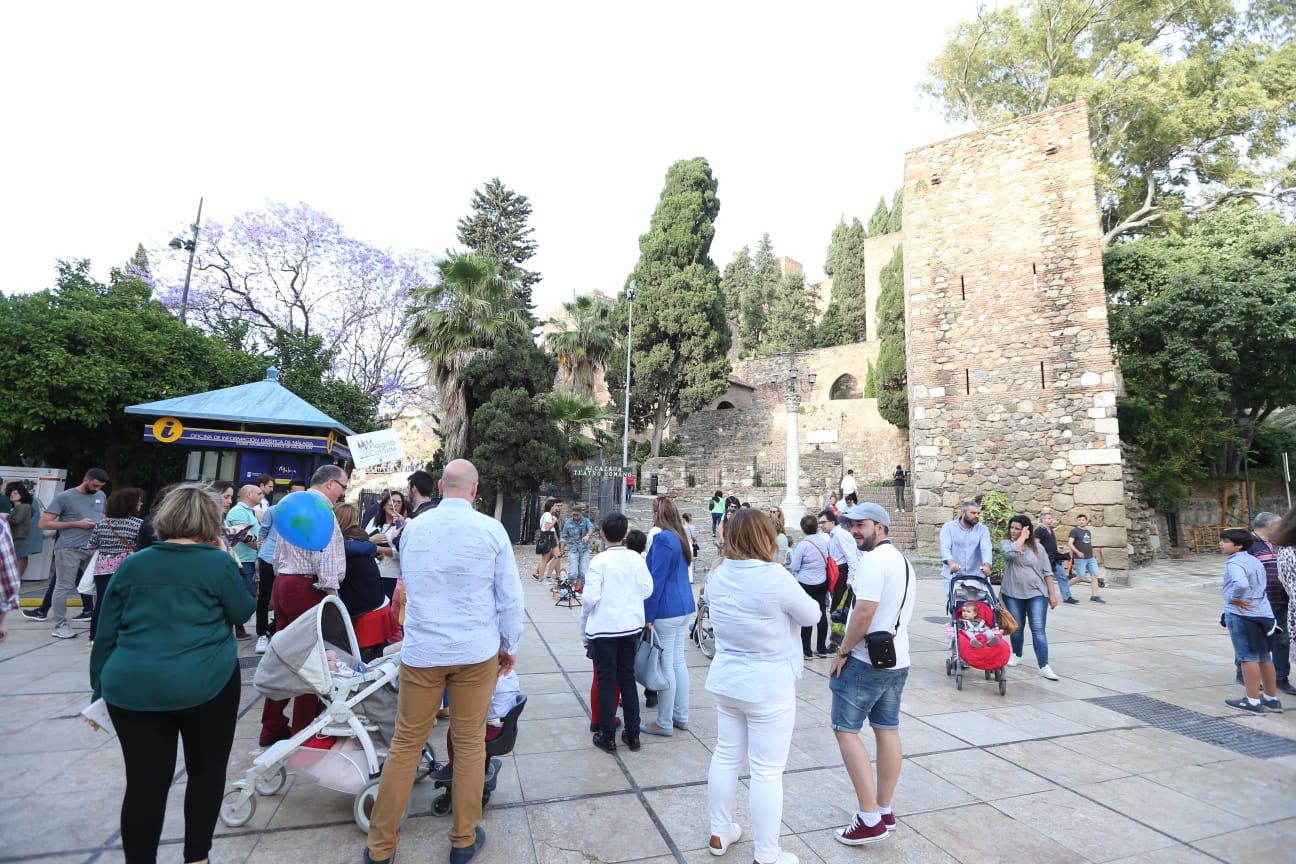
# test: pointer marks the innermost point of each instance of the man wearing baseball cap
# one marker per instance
(884, 584)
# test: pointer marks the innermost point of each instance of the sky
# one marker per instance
(387, 115)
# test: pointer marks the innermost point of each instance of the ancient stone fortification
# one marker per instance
(1011, 376)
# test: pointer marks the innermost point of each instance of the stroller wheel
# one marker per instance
(236, 810)
(272, 784)
(441, 804)
(958, 681)
(362, 809)
(949, 667)
(485, 799)
(1003, 687)
(987, 674)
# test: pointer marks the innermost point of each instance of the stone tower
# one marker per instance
(1011, 377)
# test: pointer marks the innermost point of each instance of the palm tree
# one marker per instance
(471, 306)
(584, 343)
(574, 415)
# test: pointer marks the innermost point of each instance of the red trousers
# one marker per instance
(292, 597)
(594, 709)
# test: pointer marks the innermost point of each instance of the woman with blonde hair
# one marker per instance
(166, 663)
(757, 611)
(668, 610)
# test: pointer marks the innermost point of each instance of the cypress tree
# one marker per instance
(877, 224)
(891, 377)
(498, 228)
(739, 274)
(846, 319)
(791, 316)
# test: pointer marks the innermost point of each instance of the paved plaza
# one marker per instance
(1131, 757)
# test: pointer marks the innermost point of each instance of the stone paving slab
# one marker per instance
(1043, 774)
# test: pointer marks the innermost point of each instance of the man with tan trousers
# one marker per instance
(463, 621)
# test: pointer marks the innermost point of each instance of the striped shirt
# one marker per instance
(328, 565)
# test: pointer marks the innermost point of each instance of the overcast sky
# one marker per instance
(118, 116)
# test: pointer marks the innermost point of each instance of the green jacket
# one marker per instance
(164, 640)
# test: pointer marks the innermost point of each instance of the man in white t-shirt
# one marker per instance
(850, 494)
(884, 584)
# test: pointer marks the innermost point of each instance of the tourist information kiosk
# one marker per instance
(239, 432)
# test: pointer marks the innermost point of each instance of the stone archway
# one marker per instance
(845, 387)
(724, 405)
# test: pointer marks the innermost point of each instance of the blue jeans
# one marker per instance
(860, 692)
(673, 702)
(1061, 576)
(579, 565)
(248, 571)
(1035, 611)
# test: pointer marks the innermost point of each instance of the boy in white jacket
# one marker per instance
(612, 621)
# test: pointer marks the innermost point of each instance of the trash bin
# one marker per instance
(652, 484)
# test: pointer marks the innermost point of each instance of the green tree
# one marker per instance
(680, 337)
(870, 382)
(791, 316)
(895, 219)
(891, 376)
(306, 368)
(739, 274)
(580, 425)
(881, 218)
(583, 341)
(1199, 324)
(846, 319)
(754, 309)
(514, 362)
(471, 307)
(518, 448)
(498, 228)
(1189, 100)
(80, 353)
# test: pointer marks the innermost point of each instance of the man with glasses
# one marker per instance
(302, 578)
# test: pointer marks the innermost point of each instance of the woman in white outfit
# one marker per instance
(757, 611)
(383, 530)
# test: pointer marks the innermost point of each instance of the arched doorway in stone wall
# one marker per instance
(724, 405)
(845, 387)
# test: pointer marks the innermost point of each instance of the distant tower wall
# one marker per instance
(1011, 375)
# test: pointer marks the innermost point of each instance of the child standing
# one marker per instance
(1249, 619)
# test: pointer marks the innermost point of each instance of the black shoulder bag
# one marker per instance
(881, 643)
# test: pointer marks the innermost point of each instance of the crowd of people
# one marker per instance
(176, 587)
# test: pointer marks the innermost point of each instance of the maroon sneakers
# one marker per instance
(888, 819)
(858, 834)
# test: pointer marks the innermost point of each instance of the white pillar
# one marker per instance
(792, 506)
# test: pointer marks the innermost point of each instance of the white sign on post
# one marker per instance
(374, 448)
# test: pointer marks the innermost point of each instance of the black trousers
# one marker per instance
(839, 591)
(819, 593)
(614, 667)
(265, 570)
(148, 743)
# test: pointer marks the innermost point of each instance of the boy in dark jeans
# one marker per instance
(1249, 619)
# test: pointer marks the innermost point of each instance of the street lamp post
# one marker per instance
(792, 506)
(192, 245)
(625, 430)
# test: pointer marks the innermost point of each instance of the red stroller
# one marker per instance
(964, 653)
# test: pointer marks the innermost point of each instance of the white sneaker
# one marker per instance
(1013, 659)
(726, 839)
(263, 642)
(1047, 672)
(63, 631)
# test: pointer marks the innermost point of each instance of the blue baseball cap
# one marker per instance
(868, 510)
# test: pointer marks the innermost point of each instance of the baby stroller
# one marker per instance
(501, 745)
(344, 746)
(991, 659)
(701, 632)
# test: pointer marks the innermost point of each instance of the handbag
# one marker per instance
(881, 643)
(649, 662)
(87, 583)
(544, 543)
(1005, 621)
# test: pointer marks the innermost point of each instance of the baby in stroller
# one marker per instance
(978, 632)
(506, 707)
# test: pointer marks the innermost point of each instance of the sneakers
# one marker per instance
(1243, 705)
(464, 854)
(263, 642)
(1047, 672)
(63, 631)
(1013, 659)
(859, 834)
(1272, 706)
(34, 615)
(607, 745)
(1285, 686)
(729, 838)
(1096, 599)
(631, 741)
(85, 616)
(1071, 600)
(369, 859)
(889, 820)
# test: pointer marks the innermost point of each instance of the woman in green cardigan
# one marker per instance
(166, 663)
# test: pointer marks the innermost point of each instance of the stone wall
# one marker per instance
(1011, 375)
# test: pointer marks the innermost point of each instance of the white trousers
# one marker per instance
(761, 732)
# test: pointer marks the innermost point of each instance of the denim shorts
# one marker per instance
(860, 692)
(1250, 637)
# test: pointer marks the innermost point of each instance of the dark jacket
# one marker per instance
(361, 589)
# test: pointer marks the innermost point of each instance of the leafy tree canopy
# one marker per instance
(680, 338)
(846, 319)
(792, 310)
(1201, 324)
(1190, 101)
(890, 376)
(517, 448)
(498, 228)
(739, 276)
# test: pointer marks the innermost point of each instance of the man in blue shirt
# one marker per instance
(463, 621)
(964, 545)
(576, 535)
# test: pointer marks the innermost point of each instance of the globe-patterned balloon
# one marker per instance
(305, 519)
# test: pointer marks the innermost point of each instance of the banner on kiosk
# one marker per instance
(374, 448)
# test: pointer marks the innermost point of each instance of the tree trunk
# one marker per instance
(499, 504)
(659, 423)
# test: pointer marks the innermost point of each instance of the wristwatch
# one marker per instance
(842, 652)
